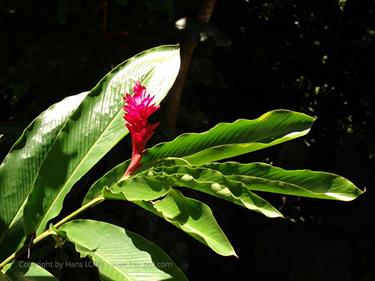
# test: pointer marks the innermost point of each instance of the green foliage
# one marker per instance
(21, 167)
(193, 217)
(118, 253)
(226, 140)
(137, 188)
(68, 139)
(305, 183)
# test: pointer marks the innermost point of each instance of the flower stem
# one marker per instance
(49, 232)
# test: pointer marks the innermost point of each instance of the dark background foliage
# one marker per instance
(315, 57)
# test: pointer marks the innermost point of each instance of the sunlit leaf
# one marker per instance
(118, 253)
(227, 140)
(193, 217)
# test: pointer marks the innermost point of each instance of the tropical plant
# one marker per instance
(64, 142)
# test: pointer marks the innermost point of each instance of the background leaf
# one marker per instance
(193, 217)
(27, 271)
(21, 166)
(118, 253)
(227, 140)
(94, 128)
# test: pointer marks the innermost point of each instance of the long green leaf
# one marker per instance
(93, 129)
(214, 183)
(306, 183)
(118, 253)
(135, 188)
(139, 188)
(21, 166)
(27, 271)
(195, 177)
(193, 217)
(114, 176)
(226, 140)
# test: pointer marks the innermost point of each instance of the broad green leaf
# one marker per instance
(195, 177)
(139, 188)
(93, 129)
(21, 166)
(226, 140)
(27, 271)
(118, 253)
(214, 183)
(306, 183)
(114, 176)
(193, 217)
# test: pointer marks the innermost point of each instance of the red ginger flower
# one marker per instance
(138, 108)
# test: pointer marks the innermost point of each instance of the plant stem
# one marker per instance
(48, 232)
(88, 205)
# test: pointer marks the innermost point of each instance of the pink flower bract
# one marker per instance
(138, 108)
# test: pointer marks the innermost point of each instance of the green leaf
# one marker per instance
(139, 188)
(27, 271)
(115, 175)
(226, 140)
(21, 166)
(193, 217)
(306, 183)
(214, 183)
(118, 253)
(195, 177)
(93, 129)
